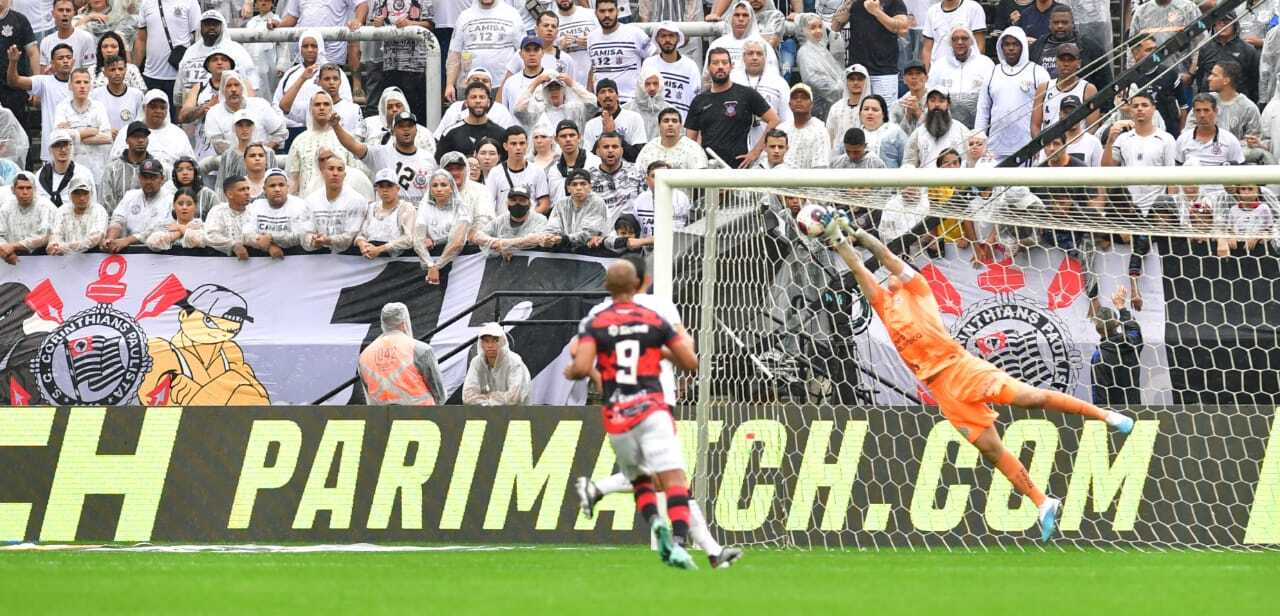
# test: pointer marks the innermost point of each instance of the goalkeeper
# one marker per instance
(962, 384)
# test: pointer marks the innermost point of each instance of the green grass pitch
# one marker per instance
(574, 580)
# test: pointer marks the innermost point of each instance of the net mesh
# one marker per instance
(818, 435)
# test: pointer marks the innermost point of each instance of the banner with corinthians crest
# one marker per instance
(201, 330)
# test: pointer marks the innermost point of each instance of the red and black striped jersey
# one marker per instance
(629, 339)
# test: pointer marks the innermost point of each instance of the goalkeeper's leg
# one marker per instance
(993, 449)
(1025, 396)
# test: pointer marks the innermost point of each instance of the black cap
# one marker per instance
(518, 191)
(137, 126)
(1067, 49)
(151, 166)
(606, 83)
(404, 116)
(567, 124)
(914, 64)
(576, 174)
(1069, 101)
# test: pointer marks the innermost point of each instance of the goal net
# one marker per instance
(1154, 291)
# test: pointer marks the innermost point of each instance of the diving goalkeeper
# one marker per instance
(962, 384)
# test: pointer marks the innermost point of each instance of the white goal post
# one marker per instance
(810, 432)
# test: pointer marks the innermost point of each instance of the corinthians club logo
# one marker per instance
(99, 355)
(1021, 337)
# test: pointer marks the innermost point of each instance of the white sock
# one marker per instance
(699, 532)
(613, 483)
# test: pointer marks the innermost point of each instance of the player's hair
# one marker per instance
(638, 261)
(1231, 70)
(1206, 97)
(777, 134)
(476, 85)
(666, 111)
(514, 130)
(719, 50)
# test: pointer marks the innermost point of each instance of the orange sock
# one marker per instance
(1058, 401)
(1017, 475)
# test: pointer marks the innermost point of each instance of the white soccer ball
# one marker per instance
(812, 220)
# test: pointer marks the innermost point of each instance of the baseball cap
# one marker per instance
(154, 94)
(1068, 49)
(531, 40)
(1070, 101)
(387, 175)
(914, 64)
(566, 124)
(212, 15)
(404, 116)
(137, 126)
(492, 329)
(79, 183)
(858, 69)
(61, 135)
(242, 116)
(217, 52)
(577, 174)
(151, 166)
(938, 89)
(606, 83)
(519, 190)
(802, 87)
(553, 80)
(219, 301)
(479, 70)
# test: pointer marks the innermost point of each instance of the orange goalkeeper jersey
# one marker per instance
(914, 323)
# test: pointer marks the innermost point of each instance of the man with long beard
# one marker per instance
(938, 132)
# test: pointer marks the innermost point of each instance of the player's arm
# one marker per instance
(584, 358)
(881, 252)
(682, 355)
(866, 280)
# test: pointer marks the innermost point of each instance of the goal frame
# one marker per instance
(714, 181)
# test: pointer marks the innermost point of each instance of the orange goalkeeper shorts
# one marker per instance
(964, 389)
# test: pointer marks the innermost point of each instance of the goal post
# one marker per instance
(1159, 295)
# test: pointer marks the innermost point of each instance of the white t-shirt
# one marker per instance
(93, 115)
(51, 92)
(532, 177)
(489, 35)
(1256, 222)
(681, 81)
(666, 310)
(618, 56)
(84, 48)
(321, 14)
(38, 12)
(517, 83)
(121, 110)
(578, 23)
(628, 123)
(938, 22)
(413, 171)
(1223, 149)
(1155, 150)
(138, 216)
(183, 19)
(1088, 148)
(775, 91)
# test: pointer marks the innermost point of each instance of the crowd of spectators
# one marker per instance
(156, 129)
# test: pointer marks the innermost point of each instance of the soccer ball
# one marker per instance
(812, 220)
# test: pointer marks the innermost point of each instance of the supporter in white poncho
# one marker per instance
(497, 375)
(297, 85)
(648, 100)
(81, 224)
(443, 225)
(336, 210)
(320, 135)
(388, 221)
(26, 220)
(390, 104)
(818, 68)
(269, 126)
(964, 78)
(743, 28)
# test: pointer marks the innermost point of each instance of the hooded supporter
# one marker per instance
(577, 223)
(737, 34)
(964, 79)
(80, 224)
(306, 147)
(818, 68)
(25, 226)
(13, 139)
(377, 127)
(308, 87)
(394, 384)
(474, 195)
(167, 142)
(554, 102)
(646, 104)
(192, 68)
(499, 113)
(443, 225)
(1005, 104)
(219, 125)
(497, 375)
(53, 180)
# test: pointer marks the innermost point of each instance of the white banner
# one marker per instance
(203, 330)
